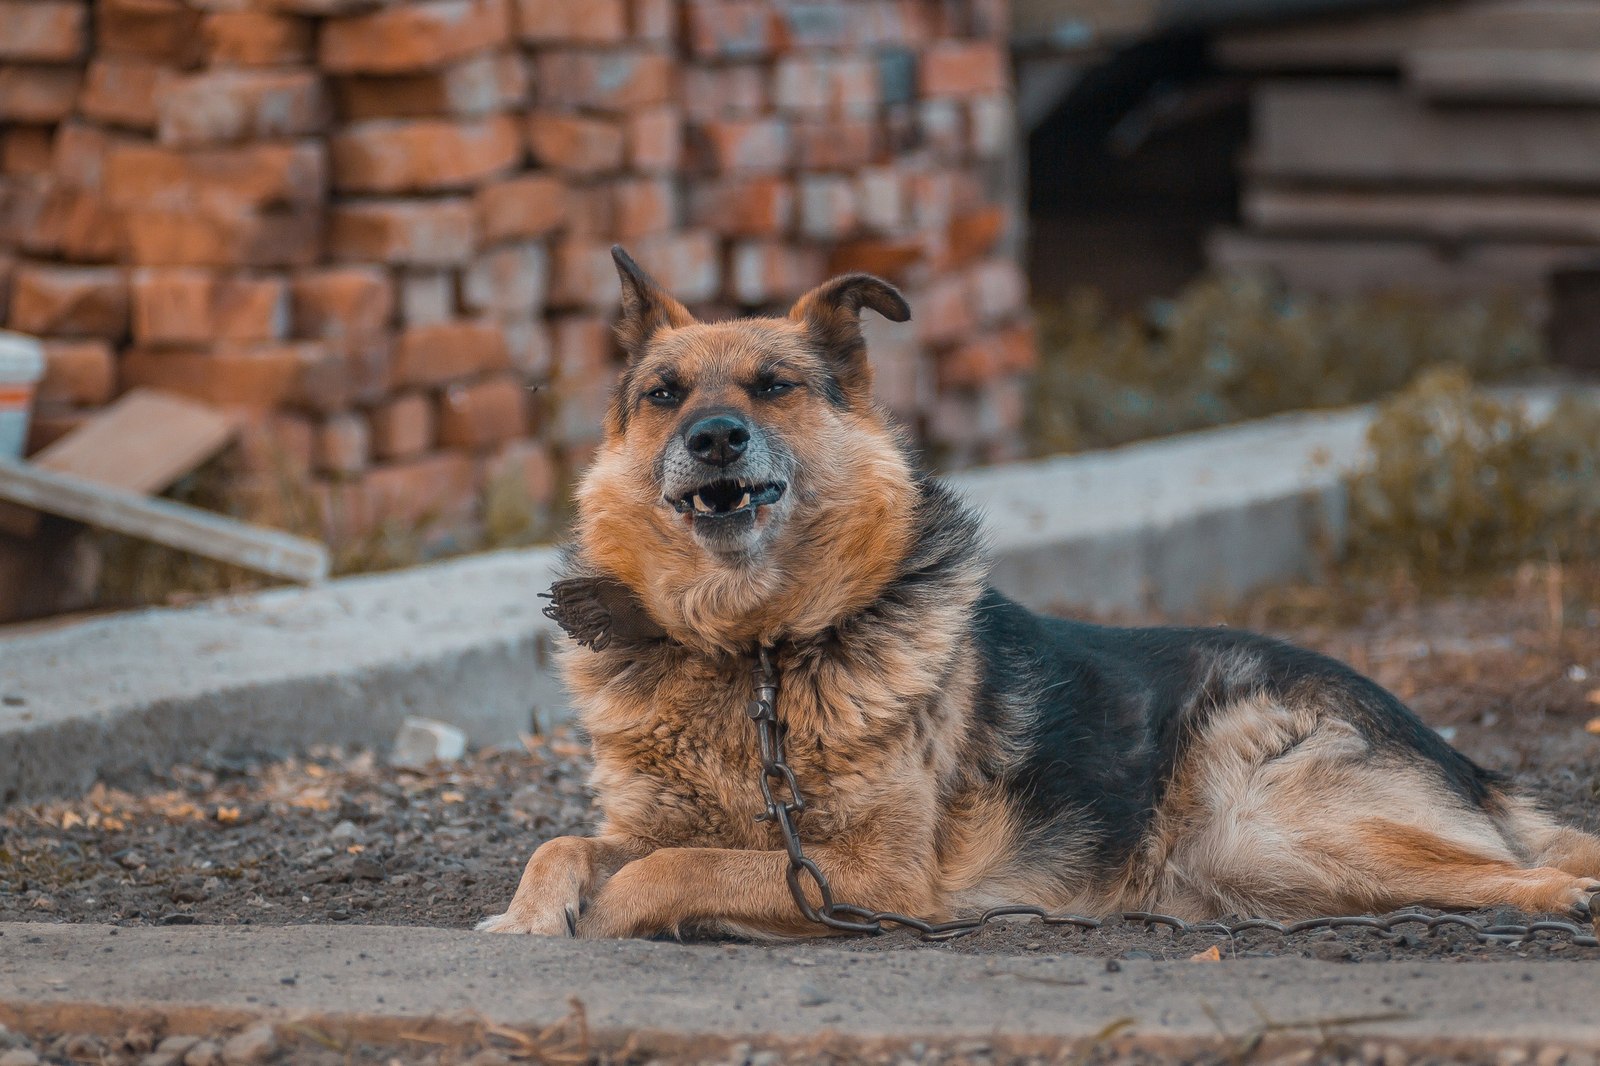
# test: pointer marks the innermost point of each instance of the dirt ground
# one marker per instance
(1511, 673)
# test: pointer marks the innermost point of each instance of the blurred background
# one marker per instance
(366, 243)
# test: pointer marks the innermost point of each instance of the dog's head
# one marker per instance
(739, 454)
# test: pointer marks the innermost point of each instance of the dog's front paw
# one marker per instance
(562, 921)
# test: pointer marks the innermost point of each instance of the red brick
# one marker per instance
(139, 176)
(767, 272)
(932, 199)
(344, 444)
(279, 238)
(942, 128)
(335, 376)
(260, 378)
(654, 139)
(256, 39)
(447, 351)
(580, 394)
(196, 307)
(605, 81)
(974, 234)
(80, 373)
(482, 414)
(835, 144)
(992, 127)
(653, 20)
(583, 275)
(508, 281)
(78, 156)
(575, 143)
(686, 262)
(583, 347)
(970, 365)
(823, 86)
(572, 21)
(425, 232)
(402, 426)
(827, 207)
(528, 341)
(48, 31)
(341, 304)
(477, 86)
(26, 150)
(998, 290)
(423, 155)
(434, 490)
(902, 379)
(742, 145)
(744, 207)
(591, 211)
(67, 301)
(38, 94)
(724, 92)
(427, 297)
(121, 91)
(526, 467)
(218, 106)
(644, 206)
(278, 444)
(413, 36)
(817, 24)
(167, 31)
(1019, 349)
(963, 68)
(881, 195)
(530, 205)
(943, 313)
(890, 257)
(732, 29)
(51, 218)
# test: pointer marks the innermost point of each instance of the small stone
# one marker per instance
(189, 890)
(205, 1053)
(19, 1056)
(422, 741)
(345, 830)
(1332, 951)
(177, 1045)
(255, 1045)
(809, 995)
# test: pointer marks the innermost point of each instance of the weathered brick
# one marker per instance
(686, 262)
(79, 153)
(278, 444)
(744, 207)
(969, 365)
(423, 155)
(218, 106)
(256, 39)
(38, 94)
(835, 144)
(529, 345)
(1019, 349)
(992, 126)
(644, 206)
(66, 301)
(121, 91)
(26, 150)
(583, 275)
(590, 212)
(902, 377)
(79, 373)
(526, 467)
(530, 205)
(998, 290)
(762, 273)
(723, 92)
(606, 81)
(943, 129)
(974, 234)
(963, 68)
(482, 414)
(507, 281)
(402, 426)
(583, 347)
(165, 31)
(817, 24)
(414, 36)
(187, 307)
(942, 312)
(655, 21)
(545, 22)
(45, 217)
(139, 176)
(732, 29)
(821, 86)
(580, 393)
(427, 297)
(476, 86)
(344, 444)
(43, 31)
(254, 377)
(742, 145)
(335, 376)
(880, 193)
(423, 232)
(274, 238)
(575, 143)
(654, 139)
(342, 304)
(432, 491)
(889, 257)
(827, 206)
(447, 351)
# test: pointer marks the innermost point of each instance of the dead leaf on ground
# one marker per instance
(1210, 954)
(1592, 726)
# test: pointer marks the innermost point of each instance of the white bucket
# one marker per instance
(21, 367)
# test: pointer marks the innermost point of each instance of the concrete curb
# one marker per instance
(1177, 524)
(387, 979)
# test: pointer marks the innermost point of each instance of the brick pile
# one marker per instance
(383, 228)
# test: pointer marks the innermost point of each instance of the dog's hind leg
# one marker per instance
(1546, 842)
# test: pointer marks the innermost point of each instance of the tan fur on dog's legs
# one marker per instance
(558, 878)
(733, 892)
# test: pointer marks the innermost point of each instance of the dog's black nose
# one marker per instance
(717, 439)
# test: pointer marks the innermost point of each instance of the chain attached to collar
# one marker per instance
(780, 790)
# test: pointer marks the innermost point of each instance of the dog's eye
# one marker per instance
(662, 395)
(773, 388)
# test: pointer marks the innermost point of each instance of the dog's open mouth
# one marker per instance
(725, 499)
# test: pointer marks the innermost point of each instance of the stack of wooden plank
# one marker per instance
(1450, 147)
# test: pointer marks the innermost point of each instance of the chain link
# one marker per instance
(780, 791)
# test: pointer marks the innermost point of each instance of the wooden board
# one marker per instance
(1506, 75)
(143, 443)
(266, 551)
(1448, 216)
(1360, 131)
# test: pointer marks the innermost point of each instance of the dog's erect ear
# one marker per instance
(831, 313)
(646, 306)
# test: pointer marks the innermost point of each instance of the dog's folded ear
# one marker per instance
(831, 313)
(646, 306)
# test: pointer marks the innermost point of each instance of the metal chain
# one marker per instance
(784, 802)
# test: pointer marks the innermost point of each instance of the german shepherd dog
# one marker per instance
(956, 752)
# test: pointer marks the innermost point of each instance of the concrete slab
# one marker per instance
(787, 993)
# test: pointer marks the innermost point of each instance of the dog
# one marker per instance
(955, 751)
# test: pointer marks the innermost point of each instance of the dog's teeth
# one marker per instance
(700, 505)
(744, 501)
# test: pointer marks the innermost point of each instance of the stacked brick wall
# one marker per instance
(383, 228)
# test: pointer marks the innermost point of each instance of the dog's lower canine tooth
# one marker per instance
(701, 505)
(744, 501)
